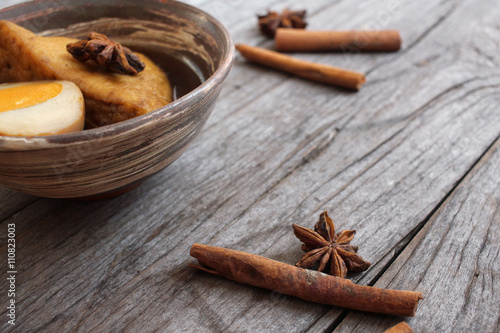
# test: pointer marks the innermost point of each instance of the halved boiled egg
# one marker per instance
(41, 108)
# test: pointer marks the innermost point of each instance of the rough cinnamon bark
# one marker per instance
(309, 70)
(400, 328)
(302, 283)
(289, 40)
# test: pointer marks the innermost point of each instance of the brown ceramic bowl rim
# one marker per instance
(172, 108)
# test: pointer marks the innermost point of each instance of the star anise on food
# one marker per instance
(287, 19)
(106, 54)
(332, 252)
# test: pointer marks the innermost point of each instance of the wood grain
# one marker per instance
(278, 150)
(454, 260)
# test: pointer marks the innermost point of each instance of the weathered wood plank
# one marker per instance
(13, 202)
(454, 260)
(276, 151)
(8, 3)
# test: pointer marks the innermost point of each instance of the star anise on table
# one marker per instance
(287, 19)
(332, 252)
(107, 54)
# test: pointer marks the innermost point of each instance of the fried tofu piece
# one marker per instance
(109, 97)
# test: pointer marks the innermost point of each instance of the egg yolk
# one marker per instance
(24, 96)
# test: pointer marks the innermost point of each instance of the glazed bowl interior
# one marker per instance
(192, 47)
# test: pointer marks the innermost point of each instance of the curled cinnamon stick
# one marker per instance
(303, 283)
(402, 327)
(288, 40)
(309, 70)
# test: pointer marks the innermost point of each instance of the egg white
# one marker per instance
(64, 113)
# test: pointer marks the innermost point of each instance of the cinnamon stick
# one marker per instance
(293, 40)
(303, 283)
(402, 327)
(309, 70)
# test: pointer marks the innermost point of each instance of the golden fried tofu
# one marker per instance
(109, 97)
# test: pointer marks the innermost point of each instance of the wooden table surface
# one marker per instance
(411, 161)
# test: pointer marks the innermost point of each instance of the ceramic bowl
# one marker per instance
(111, 159)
